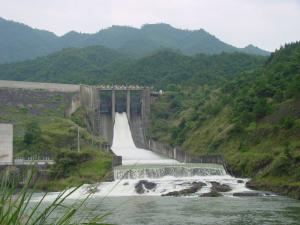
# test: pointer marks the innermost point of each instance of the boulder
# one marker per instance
(247, 194)
(144, 185)
(196, 186)
(251, 185)
(217, 187)
(211, 194)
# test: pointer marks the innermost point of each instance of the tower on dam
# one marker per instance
(102, 102)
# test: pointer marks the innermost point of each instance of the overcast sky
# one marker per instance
(264, 23)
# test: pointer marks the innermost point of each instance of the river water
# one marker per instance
(132, 206)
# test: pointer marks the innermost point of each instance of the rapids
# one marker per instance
(168, 175)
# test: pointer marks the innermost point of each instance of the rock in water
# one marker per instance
(144, 185)
(211, 194)
(217, 187)
(247, 194)
(196, 186)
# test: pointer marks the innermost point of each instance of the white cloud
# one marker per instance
(267, 24)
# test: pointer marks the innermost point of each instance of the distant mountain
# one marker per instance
(97, 64)
(20, 42)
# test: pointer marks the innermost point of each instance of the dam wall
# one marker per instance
(105, 127)
(182, 156)
(6, 144)
(138, 131)
(73, 106)
(52, 87)
(102, 103)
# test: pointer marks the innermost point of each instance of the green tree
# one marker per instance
(32, 133)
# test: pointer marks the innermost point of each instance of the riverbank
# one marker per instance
(252, 120)
(276, 185)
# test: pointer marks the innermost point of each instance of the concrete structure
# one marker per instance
(102, 103)
(183, 156)
(52, 87)
(6, 144)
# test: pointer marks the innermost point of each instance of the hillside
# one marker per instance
(20, 42)
(96, 64)
(85, 65)
(42, 130)
(253, 119)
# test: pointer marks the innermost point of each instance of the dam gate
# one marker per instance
(102, 103)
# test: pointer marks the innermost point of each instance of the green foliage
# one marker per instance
(164, 69)
(280, 166)
(73, 169)
(68, 66)
(66, 161)
(251, 118)
(79, 117)
(287, 122)
(32, 133)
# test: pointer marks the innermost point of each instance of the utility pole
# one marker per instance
(78, 140)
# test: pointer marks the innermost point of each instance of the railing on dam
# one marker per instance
(34, 160)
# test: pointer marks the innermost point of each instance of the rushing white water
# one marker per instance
(168, 175)
(160, 171)
(124, 146)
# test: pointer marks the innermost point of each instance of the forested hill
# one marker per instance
(253, 119)
(167, 68)
(88, 65)
(20, 42)
(96, 64)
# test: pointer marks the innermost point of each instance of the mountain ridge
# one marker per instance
(98, 64)
(20, 42)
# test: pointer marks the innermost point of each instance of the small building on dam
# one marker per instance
(6, 144)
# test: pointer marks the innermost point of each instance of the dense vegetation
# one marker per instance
(253, 119)
(244, 107)
(98, 64)
(20, 42)
(88, 65)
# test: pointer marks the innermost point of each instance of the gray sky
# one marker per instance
(264, 23)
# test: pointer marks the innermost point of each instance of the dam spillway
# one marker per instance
(165, 175)
(140, 163)
(153, 171)
(123, 145)
(103, 102)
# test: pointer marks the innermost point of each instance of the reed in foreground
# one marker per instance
(16, 207)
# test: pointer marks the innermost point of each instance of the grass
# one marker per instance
(17, 208)
(59, 134)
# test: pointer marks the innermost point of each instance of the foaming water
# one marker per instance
(167, 175)
(160, 171)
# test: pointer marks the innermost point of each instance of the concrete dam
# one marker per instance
(103, 102)
(120, 114)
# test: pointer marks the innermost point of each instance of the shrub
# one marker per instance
(287, 122)
(67, 161)
(280, 166)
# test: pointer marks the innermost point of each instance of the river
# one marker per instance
(135, 197)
